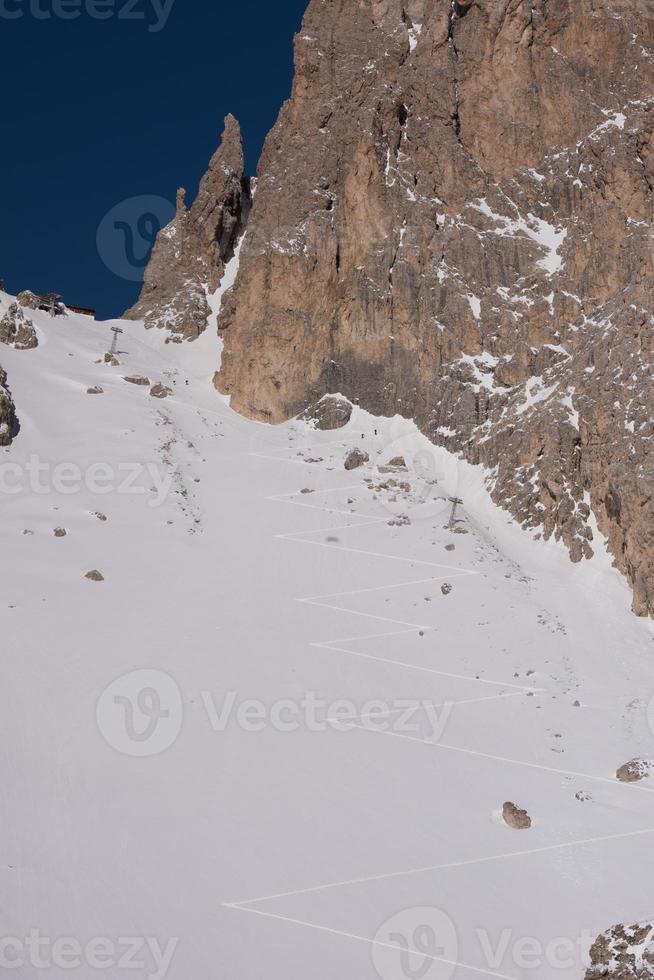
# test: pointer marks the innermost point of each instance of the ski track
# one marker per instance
(336, 645)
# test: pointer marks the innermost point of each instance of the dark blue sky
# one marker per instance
(99, 111)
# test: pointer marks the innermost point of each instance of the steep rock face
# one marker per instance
(7, 412)
(189, 255)
(623, 953)
(453, 222)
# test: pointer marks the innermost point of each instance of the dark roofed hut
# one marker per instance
(82, 311)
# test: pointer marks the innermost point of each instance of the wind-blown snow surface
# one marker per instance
(347, 828)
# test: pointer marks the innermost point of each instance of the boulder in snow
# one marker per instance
(356, 458)
(516, 818)
(633, 772)
(160, 391)
(331, 412)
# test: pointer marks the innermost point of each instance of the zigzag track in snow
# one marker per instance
(343, 646)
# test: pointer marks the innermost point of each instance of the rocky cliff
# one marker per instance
(16, 331)
(453, 222)
(7, 412)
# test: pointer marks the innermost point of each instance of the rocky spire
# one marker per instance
(189, 256)
(217, 211)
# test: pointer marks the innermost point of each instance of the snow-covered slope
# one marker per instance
(144, 797)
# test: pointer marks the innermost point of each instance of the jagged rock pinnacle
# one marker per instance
(189, 255)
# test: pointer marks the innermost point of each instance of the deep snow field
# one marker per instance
(358, 840)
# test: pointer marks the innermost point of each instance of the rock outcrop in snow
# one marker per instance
(331, 412)
(623, 953)
(16, 330)
(29, 300)
(7, 412)
(190, 254)
(453, 223)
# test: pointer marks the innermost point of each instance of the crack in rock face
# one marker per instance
(483, 266)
